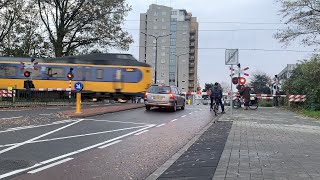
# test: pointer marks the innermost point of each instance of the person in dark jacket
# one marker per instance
(245, 92)
(216, 95)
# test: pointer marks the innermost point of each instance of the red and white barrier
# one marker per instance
(53, 89)
(297, 98)
(7, 93)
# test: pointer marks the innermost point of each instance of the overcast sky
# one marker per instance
(212, 66)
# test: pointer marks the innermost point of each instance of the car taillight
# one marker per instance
(171, 96)
(145, 95)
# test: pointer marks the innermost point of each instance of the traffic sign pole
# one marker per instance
(231, 94)
(78, 103)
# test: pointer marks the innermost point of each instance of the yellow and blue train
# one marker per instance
(103, 75)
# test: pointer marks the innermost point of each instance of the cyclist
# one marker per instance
(245, 92)
(216, 95)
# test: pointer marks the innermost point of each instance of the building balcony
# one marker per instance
(192, 44)
(191, 65)
(191, 71)
(191, 58)
(191, 85)
(192, 38)
(191, 51)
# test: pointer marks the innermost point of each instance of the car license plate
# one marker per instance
(158, 97)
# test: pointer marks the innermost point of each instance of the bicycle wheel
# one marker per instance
(215, 109)
(236, 104)
(254, 105)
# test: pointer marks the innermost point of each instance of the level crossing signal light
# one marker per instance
(70, 75)
(242, 80)
(26, 74)
(235, 80)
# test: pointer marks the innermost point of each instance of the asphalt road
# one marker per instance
(123, 145)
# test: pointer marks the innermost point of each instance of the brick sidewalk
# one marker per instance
(271, 144)
(87, 112)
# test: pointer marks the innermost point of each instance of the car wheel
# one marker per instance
(174, 108)
(148, 108)
(183, 106)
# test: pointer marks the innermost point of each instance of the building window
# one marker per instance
(173, 19)
(184, 39)
(154, 48)
(185, 32)
(173, 12)
(173, 27)
(163, 54)
(164, 13)
(163, 74)
(163, 61)
(154, 41)
(155, 14)
(155, 27)
(163, 40)
(99, 73)
(163, 47)
(181, 13)
(164, 27)
(172, 68)
(162, 20)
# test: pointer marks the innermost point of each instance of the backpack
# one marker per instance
(216, 92)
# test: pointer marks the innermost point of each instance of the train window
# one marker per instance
(79, 73)
(99, 73)
(8, 71)
(56, 72)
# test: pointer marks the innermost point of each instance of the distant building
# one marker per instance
(161, 21)
(286, 73)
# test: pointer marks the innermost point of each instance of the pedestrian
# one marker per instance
(245, 93)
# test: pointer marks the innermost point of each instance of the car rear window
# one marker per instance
(159, 89)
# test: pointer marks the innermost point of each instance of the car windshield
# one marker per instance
(159, 89)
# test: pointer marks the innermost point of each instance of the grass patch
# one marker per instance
(313, 114)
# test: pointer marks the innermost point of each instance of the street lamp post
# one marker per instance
(156, 58)
(178, 66)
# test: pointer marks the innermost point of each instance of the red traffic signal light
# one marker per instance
(70, 76)
(235, 80)
(242, 80)
(26, 74)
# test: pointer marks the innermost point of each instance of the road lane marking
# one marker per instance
(71, 153)
(33, 126)
(74, 136)
(45, 114)
(38, 137)
(110, 144)
(12, 118)
(161, 125)
(95, 105)
(190, 113)
(49, 166)
(141, 132)
(115, 121)
(174, 120)
(183, 116)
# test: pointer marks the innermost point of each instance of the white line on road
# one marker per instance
(38, 137)
(12, 118)
(190, 113)
(174, 120)
(45, 114)
(53, 108)
(71, 153)
(49, 166)
(95, 105)
(141, 132)
(183, 116)
(110, 144)
(115, 121)
(74, 136)
(161, 125)
(32, 126)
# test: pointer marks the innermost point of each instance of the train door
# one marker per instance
(118, 80)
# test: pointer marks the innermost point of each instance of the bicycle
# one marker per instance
(215, 107)
(253, 103)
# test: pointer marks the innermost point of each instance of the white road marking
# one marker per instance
(45, 114)
(32, 126)
(49, 166)
(115, 121)
(95, 105)
(196, 111)
(174, 120)
(70, 154)
(161, 125)
(110, 144)
(107, 104)
(38, 137)
(141, 132)
(9, 110)
(190, 113)
(12, 118)
(74, 136)
(53, 108)
(183, 116)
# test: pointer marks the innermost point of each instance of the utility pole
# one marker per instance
(156, 57)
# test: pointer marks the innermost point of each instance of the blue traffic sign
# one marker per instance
(78, 86)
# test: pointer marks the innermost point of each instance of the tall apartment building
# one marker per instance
(177, 50)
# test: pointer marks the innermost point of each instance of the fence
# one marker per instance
(52, 96)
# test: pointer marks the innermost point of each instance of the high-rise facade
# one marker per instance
(175, 32)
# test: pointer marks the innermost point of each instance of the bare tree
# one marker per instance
(76, 25)
(303, 20)
(9, 13)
